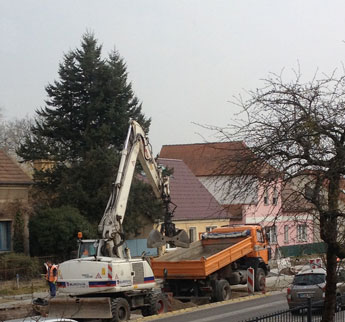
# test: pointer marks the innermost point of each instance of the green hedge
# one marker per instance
(53, 231)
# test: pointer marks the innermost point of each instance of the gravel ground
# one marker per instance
(19, 306)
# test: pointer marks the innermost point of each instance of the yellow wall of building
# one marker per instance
(13, 193)
(200, 225)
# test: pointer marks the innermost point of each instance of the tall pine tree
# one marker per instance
(81, 129)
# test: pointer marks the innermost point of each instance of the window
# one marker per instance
(88, 249)
(271, 234)
(309, 279)
(192, 234)
(286, 234)
(266, 197)
(259, 236)
(5, 235)
(210, 228)
(275, 197)
(302, 232)
(308, 192)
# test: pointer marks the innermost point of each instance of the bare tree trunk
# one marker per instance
(331, 281)
(329, 232)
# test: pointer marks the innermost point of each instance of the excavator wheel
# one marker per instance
(157, 304)
(120, 310)
(222, 291)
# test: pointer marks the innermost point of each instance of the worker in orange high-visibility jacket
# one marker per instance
(51, 277)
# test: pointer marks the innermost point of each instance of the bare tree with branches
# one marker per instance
(296, 132)
(13, 132)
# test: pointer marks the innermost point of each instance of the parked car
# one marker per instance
(311, 283)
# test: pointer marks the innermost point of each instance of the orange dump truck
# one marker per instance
(212, 264)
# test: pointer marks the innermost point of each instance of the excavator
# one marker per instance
(104, 282)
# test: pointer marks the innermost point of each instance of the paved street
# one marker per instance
(232, 311)
(237, 310)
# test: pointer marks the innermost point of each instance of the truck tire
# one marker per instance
(222, 290)
(260, 280)
(120, 310)
(157, 304)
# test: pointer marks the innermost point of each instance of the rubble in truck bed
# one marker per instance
(196, 251)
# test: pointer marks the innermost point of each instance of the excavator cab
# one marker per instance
(87, 248)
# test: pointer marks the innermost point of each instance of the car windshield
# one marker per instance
(309, 279)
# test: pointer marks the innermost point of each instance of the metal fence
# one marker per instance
(11, 268)
(307, 313)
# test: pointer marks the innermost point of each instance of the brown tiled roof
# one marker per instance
(193, 200)
(11, 173)
(206, 159)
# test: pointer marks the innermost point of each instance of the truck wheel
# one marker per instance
(222, 291)
(157, 305)
(120, 310)
(260, 280)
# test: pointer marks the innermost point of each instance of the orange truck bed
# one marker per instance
(202, 258)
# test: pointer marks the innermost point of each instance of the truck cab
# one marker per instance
(261, 248)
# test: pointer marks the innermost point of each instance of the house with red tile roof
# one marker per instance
(14, 195)
(196, 210)
(214, 163)
(206, 161)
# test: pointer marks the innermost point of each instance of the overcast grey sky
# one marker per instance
(186, 59)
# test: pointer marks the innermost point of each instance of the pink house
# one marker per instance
(258, 204)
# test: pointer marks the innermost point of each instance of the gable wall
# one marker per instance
(13, 193)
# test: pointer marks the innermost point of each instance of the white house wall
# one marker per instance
(231, 191)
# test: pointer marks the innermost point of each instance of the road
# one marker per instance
(235, 311)
(238, 310)
(242, 310)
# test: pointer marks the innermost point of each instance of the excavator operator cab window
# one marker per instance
(87, 249)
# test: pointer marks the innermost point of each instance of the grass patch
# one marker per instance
(9, 288)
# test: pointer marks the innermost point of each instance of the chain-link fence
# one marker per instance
(23, 266)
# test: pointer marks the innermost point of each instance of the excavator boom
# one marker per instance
(137, 147)
(104, 281)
